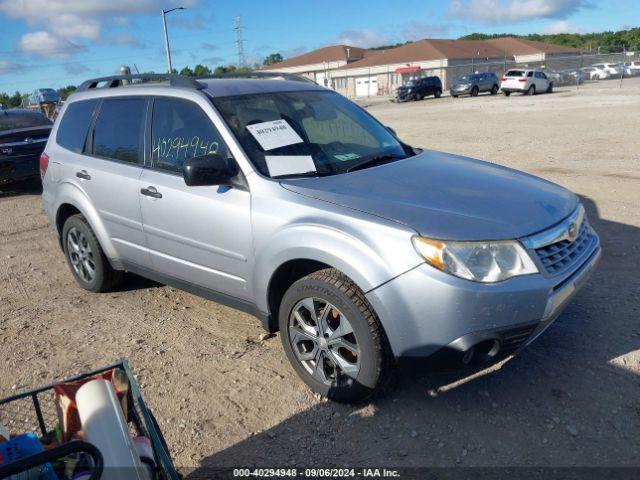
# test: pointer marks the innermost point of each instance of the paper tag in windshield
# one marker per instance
(289, 164)
(274, 134)
(347, 156)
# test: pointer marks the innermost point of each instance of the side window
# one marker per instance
(119, 129)
(74, 125)
(181, 130)
(530, 74)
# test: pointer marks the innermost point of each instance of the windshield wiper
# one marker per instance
(375, 161)
(310, 173)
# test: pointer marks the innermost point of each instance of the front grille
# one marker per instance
(513, 338)
(561, 256)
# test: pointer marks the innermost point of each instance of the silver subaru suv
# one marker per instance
(286, 200)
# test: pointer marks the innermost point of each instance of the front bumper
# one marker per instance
(426, 311)
(405, 96)
(460, 90)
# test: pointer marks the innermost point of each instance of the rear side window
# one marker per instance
(74, 125)
(119, 129)
(181, 130)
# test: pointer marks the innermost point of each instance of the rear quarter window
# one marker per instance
(74, 125)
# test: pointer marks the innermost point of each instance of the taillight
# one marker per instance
(504, 79)
(44, 163)
(522, 80)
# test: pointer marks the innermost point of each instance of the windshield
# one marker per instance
(465, 78)
(411, 83)
(306, 132)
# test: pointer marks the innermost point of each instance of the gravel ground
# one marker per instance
(224, 396)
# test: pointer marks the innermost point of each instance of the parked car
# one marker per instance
(284, 199)
(606, 70)
(594, 74)
(419, 88)
(575, 76)
(632, 68)
(23, 135)
(43, 95)
(525, 81)
(475, 83)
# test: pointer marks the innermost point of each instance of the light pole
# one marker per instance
(166, 36)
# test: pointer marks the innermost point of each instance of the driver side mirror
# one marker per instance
(209, 170)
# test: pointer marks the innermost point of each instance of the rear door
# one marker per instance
(199, 235)
(108, 165)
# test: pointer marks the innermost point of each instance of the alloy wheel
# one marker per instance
(80, 255)
(323, 341)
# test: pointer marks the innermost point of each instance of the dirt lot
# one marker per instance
(225, 398)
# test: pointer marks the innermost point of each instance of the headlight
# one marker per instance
(485, 262)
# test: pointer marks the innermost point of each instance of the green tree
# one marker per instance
(272, 58)
(223, 69)
(16, 100)
(201, 71)
(186, 71)
(64, 92)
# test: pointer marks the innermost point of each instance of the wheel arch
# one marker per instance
(71, 201)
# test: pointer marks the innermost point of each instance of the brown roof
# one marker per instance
(333, 53)
(431, 50)
(518, 46)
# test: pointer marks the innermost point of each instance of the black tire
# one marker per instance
(550, 89)
(475, 91)
(332, 286)
(506, 94)
(104, 277)
(437, 94)
(531, 90)
(454, 96)
(494, 89)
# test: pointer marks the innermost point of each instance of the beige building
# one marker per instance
(357, 72)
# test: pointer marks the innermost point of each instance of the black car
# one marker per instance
(419, 88)
(23, 135)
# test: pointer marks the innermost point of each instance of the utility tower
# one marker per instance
(237, 26)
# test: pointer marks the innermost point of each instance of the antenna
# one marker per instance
(237, 26)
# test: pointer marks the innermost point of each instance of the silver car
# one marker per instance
(286, 200)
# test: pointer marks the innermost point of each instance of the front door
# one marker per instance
(199, 235)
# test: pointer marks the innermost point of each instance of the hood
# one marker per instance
(447, 197)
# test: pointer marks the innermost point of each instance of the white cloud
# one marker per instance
(45, 44)
(59, 23)
(363, 38)
(561, 26)
(509, 11)
(10, 67)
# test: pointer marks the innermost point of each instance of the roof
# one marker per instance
(334, 53)
(431, 50)
(518, 46)
(226, 87)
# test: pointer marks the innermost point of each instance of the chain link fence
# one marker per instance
(570, 70)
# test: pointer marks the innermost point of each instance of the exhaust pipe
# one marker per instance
(481, 352)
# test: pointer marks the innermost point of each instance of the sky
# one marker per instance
(53, 43)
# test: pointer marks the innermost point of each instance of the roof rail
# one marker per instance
(114, 81)
(263, 75)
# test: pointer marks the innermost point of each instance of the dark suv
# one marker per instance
(419, 88)
(475, 83)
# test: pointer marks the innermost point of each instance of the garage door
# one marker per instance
(366, 86)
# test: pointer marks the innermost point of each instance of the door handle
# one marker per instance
(83, 174)
(151, 192)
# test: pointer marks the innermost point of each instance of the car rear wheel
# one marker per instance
(85, 257)
(474, 91)
(332, 337)
(494, 89)
(532, 90)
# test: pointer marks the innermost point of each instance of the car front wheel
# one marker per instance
(85, 257)
(332, 337)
